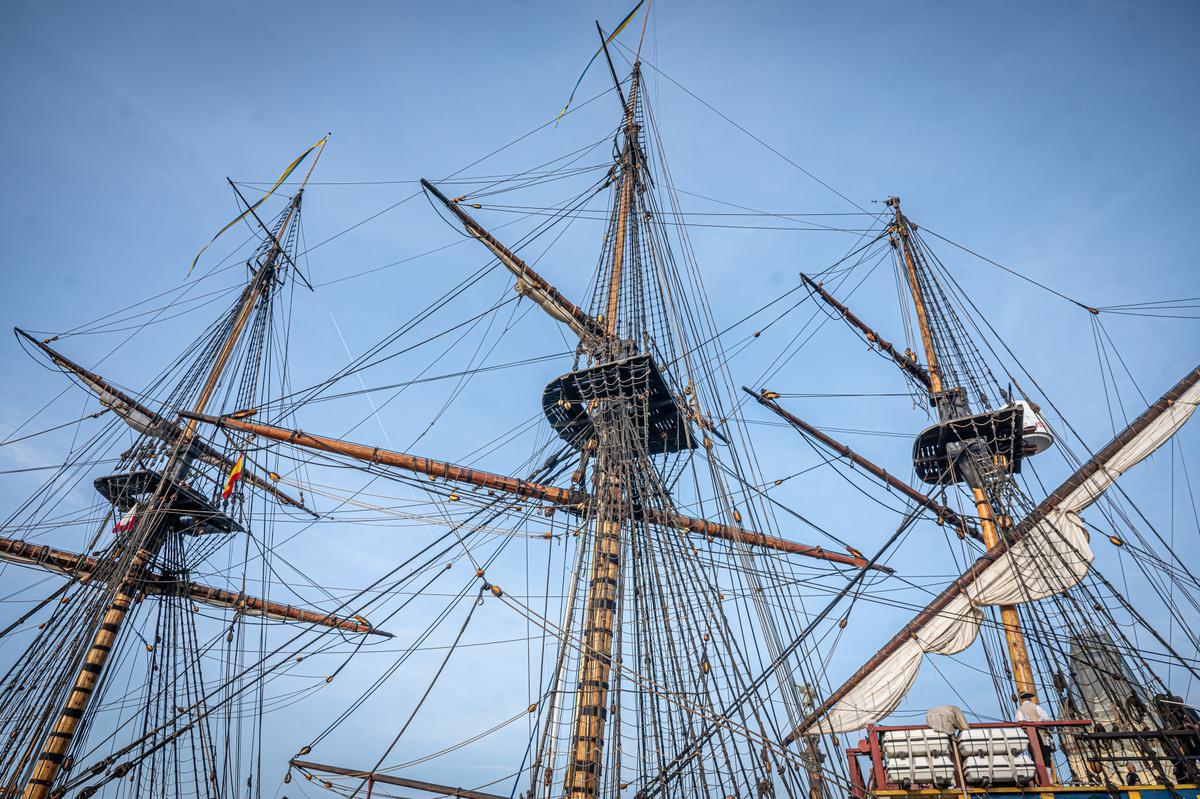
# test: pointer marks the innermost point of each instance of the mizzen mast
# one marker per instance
(970, 459)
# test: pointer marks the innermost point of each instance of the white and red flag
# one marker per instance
(127, 521)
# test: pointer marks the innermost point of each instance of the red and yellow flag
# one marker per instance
(235, 474)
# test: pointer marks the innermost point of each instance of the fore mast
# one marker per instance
(165, 503)
(943, 454)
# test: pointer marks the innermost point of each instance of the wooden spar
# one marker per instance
(155, 423)
(1097, 461)
(72, 564)
(99, 385)
(571, 500)
(278, 245)
(54, 748)
(412, 463)
(943, 513)
(910, 366)
(258, 284)
(388, 779)
(1010, 618)
(275, 611)
(628, 180)
(528, 281)
(1044, 508)
(84, 567)
(584, 777)
(899, 231)
(612, 70)
(725, 532)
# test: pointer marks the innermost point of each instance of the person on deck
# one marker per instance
(1131, 775)
(1029, 710)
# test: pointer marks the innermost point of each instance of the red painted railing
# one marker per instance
(871, 749)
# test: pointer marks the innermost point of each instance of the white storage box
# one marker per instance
(914, 743)
(909, 771)
(992, 741)
(1004, 769)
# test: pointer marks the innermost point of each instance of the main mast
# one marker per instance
(952, 405)
(604, 580)
(619, 411)
(150, 533)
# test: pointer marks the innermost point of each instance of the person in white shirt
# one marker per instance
(1032, 711)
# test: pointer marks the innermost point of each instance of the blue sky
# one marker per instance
(1058, 139)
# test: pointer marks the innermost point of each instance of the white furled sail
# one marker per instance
(881, 689)
(1049, 559)
(1046, 554)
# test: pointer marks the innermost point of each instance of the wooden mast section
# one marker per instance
(600, 338)
(1010, 619)
(586, 752)
(628, 183)
(260, 283)
(899, 237)
(150, 531)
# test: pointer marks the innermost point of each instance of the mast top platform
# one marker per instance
(570, 401)
(1000, 433)
(185, 508)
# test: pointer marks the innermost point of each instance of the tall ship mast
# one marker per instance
(616, 594)
(647, 657)
(176, 496)
(1116, 716)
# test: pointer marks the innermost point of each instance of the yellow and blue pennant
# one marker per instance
(286, 174)
(596, 55)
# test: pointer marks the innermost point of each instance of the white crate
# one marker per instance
(1005, 769)
(992, 741)
(909, 771)
(914, 743)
